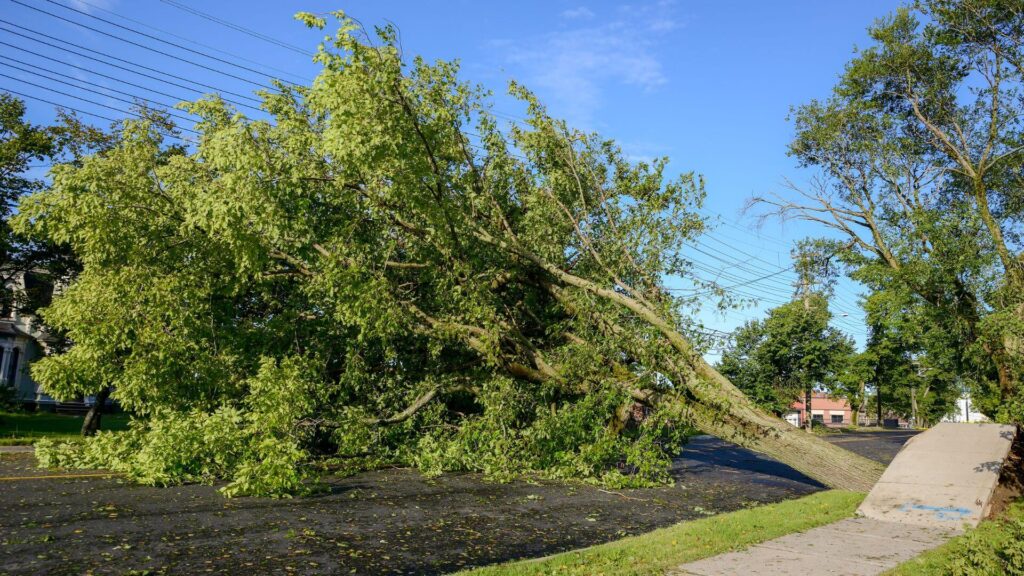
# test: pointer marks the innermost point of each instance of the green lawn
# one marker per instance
(653, 553)
(974, 553)
(27, 427)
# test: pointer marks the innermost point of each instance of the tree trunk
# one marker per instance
(745, 424)
(808, 416)
(709, 400)
(878, 401)
(91, 424)
(913, 405)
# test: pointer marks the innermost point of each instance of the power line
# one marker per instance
(80, 111)
(47, 75)
(55, 91)
(145, 47)
(150, 36)
(741, 284)
(189, 40)
(114, 78)
(237, 27)
(747, 267)
(112, 57)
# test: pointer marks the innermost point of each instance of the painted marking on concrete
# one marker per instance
(940, 512)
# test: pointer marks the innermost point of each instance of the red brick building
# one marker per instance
(832, 412)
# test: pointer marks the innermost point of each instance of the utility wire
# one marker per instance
(114, 78)
(49, 76)
(152, 37)
(54, 90)
(80, 111)
(237, 27)
(112, 57)
(189, 40)
(144, 47)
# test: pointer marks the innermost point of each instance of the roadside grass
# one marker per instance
(657, 551)
(976, 552)
(21, 428)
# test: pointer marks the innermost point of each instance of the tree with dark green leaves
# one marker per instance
(379, 271)
(913, 358)
(853, 377)
(40, 263)
(794, 351)
(21, 144)
(920, 152)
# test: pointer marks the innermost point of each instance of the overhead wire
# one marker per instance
(237, 27)
(93, 102)
(143, 46)
(112, 57)
(84, 112)
(189, 40)
(74, 83)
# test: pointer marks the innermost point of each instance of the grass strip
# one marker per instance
(657, 551)
(20, 428)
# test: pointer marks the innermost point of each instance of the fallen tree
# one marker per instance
(360, 276)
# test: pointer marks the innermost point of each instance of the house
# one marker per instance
(964, 411)
(832, 412)
(22, 341)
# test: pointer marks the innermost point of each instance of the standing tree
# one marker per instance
(794, 350)
(920, 155)
(851, 382)
(20, 144)
(364, 274)
(40, 262)
(913, 357)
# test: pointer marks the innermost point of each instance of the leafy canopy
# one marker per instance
(360, 277)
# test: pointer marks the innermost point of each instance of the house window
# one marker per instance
(837, 418)
(12, 367)
(818, 418)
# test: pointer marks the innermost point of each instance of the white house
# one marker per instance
(965, 411)
(22, 341)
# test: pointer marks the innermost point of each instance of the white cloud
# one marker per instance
(578, 13)
(92, 5)
(573, 67)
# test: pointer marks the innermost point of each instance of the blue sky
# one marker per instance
(707, 83)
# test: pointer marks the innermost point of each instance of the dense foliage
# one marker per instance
(919, 149)
(358, 277)
(259, 302)
(776, 360)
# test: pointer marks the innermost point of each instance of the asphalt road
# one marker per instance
(384, 522)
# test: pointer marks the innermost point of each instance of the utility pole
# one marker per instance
(805, 291)
(878, 398)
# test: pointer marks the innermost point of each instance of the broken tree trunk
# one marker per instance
(745, 424)
(91, 423)
(715, 405)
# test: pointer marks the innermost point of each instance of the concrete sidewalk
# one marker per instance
(852, 547)
(940, 482)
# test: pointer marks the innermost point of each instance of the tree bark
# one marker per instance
(721, 409)
(808, 417)
(878, 401)
(745, 424)
(91, 423)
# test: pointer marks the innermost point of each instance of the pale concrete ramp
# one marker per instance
(941, 481)
(944, 476)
